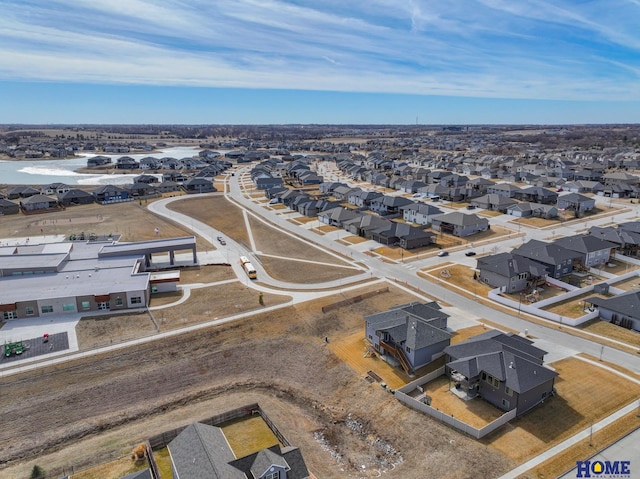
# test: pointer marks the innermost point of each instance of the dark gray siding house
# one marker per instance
(9, 207)
(559, 261)
(198, 185)
(510, 273)
(459, 224)
(503, 369)
(75, 197)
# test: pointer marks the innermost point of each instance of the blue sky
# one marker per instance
(303, 61)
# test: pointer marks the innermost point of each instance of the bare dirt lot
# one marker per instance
(278, 359)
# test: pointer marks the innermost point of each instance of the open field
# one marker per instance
(303, 272)
(130, 220)
(214, 211)
(106, 403)
(112, 470)
(460, 276)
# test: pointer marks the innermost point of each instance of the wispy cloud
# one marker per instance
(484, 48)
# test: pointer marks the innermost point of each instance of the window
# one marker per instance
(69, 307)
(272, 475)
(509, 391)
(86, 305)
(506, 403)
(103, 305)
(484, 376)
(136, 300)
(408, 349)
(118, 301)
(496, 383)
(47, 309)
(10, 315)
(29, 311)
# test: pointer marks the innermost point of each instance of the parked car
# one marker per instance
(470, 253)
(443, 253)
(221, 240)
(471, 207)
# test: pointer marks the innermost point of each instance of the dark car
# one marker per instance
(221, 240)
(470, 253)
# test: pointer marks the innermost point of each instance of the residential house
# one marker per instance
(536, 194)
(504, 189)
(98, 161)
(22, 192)
(203, 451)
(266, 182)
(559, 261)
(337, 216)
(410, 335)
(526, 209)
(55, 189)
(627, 241)
(403, 235)
(459, 224)
(126, 163)
(148, 179)
(363, 199)
(493, 202)
(198, 185)
(8, 207)
(364, 224)
(575, 202)
(510, 273)
(75, 197)
(419, 213)
(388, 205)
(582, 186)
(594, 251)
(505, 370)
(622, 309)
(38, 203)
(111, 194)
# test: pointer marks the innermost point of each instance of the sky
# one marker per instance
(320, 61)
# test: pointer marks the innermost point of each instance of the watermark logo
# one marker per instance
(604, 469)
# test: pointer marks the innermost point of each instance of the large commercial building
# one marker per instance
(86, 276)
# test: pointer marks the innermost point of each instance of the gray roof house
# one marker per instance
(459, 224)
(527, 209)
(510, 273)
(202, 451)
(403, 235)
(576, 202)
(75, 196)
(38, 203)
(493, 202)
(419, 213)
(389, 205)
(594, 251)
(337, 216)
(410, 335)
(623, 309)
(558, 260)
(8, 207)
(503, 369)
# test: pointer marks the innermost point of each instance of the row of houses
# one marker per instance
(153, 163)
(32, 199)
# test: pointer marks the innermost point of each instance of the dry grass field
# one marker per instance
(132, 221)
(113, 469)
(608, 330)
(304, 272)
(215, 211)
(572, 308)
(460, 276)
